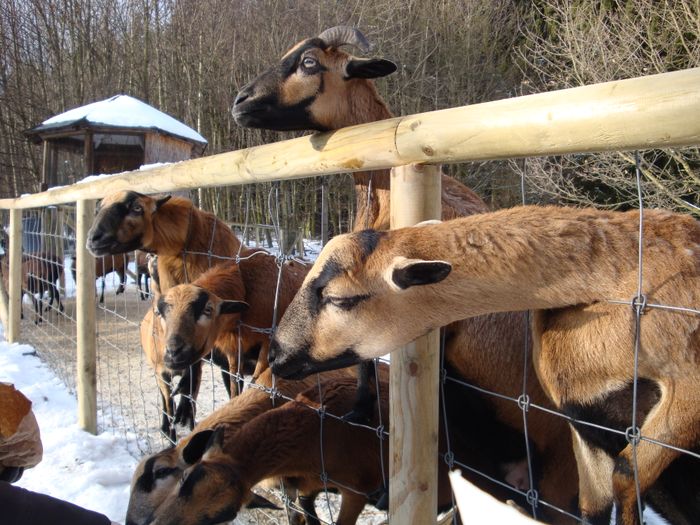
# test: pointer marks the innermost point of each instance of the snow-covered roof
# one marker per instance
(120, 111)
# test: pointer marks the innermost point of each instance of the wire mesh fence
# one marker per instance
(523, 453)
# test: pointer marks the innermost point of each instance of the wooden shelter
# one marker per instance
(118, 134)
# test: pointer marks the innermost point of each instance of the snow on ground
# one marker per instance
(90, 471)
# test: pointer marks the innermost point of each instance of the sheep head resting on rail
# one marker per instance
(316, 86)
(191, 320)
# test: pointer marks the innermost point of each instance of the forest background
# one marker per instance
(189, 58)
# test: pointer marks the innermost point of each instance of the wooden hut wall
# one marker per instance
(161, 148)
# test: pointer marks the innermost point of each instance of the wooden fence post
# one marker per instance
(15, 276)
(414, 376)
(85, 314)
(324, 212)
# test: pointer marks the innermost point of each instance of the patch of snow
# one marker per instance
(154, 165)
(91, 471)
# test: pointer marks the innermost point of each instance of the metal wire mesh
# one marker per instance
(128, 395)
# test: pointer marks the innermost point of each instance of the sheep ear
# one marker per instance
(216, 441)
(405, 273)
(369, 68)
(232, 307)
(196, 447)
(258, 502)
(161, 201)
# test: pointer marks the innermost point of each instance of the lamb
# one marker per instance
(486, 351)
(194, 317)
(564, 263)
(285, 442)
(157, 474)
(153, 345)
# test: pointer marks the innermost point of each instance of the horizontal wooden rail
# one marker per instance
(647, 112)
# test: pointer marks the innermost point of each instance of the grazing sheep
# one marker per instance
(105, 265)
(370, 291)
(289, 442)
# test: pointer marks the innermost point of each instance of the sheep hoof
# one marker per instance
(380, 498)
(184, 414)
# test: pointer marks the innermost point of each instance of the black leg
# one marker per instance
(364, 400)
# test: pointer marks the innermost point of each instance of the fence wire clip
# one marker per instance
(321, 411)
(449, 459)
(524, 402)
(380, 431)
(633, 435)
(324, 477)
(533, 497)
(286, 500)
(443, 375)
(639, 304)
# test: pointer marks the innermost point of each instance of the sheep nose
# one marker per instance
(175, 346)
(96, 235)
(242, 96)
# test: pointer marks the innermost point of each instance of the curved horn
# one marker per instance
(345, 35)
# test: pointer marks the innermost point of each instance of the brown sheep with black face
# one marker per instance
(194, 316)
(40, 272)
(285, 442)
(319, 86)
(187, 240)
(158, 474)
(370, 291)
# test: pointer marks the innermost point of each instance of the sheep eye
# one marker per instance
(163, 472)
(137, 209)
(346, 303)
(309, 63)
(208, 310)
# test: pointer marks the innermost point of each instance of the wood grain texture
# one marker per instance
(639, 113)
(414, 374)
(85, 313)
(15, 276)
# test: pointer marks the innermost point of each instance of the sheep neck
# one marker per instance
(371, 187)
(547, 257)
